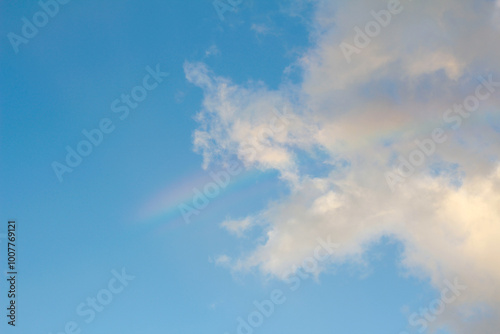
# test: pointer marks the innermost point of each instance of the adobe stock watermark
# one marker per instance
(221, 179)
(363, 37)
(428, 146)
(265, 309)
(102, 299)
(94, 137)
(30, 28)
(426, 315)
(222, 6)
(4, 236)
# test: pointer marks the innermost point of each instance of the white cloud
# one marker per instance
(260, 28)
(364, 115)
(222, 260)
(238, 227)
(213, 50)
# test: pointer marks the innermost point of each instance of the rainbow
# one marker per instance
(163, 208)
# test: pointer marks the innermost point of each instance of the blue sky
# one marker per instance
(322, 176)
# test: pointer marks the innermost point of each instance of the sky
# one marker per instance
(243, 166)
